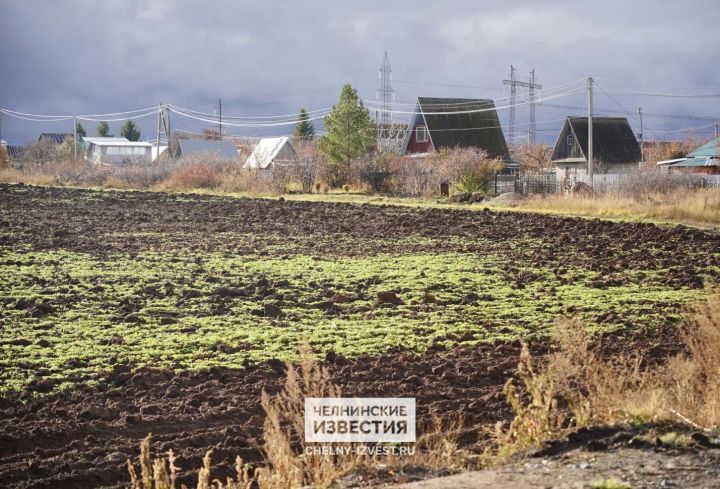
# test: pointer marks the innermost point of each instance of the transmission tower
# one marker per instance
(513, 91)
(385, 92)
(531, 85)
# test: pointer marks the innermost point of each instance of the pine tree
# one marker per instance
(130, 131)
(349, 132)
(103, 130)
(80, 130)
(304, 129)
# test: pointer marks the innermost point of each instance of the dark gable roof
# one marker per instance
(55, 137)
(475, 129)
(15, 152)
(613, 139)
(221, 149)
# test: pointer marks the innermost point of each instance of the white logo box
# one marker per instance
(359, 419)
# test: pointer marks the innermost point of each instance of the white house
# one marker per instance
(116, 151)
(269, 152)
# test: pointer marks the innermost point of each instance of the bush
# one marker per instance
(375, 170)
(193, 176)
(467, 170)
(3, 157)
(140, 175)
(308, 164)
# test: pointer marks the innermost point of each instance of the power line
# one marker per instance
(552, 97)
(645, 114)
(559, 88)
(227, 117)
(669, 95)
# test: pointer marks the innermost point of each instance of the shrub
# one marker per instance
(374, 170)
(193, 176)
(4, 159)
(308, 163)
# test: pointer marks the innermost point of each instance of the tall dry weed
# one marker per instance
(284, 430)
(578, 385)
(692, 380)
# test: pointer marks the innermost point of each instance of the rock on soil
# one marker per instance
(508, 199)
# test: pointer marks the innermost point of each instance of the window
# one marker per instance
(570, 141)
(112, 150)
(421, 134)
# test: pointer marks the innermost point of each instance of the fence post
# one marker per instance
(496, 184)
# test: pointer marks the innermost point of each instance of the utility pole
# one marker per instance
(157, 143)
(75, 136)
(716, 130)
(590, 130)
(218, 107)
(513, 91)
(166, 128)
(642, 148)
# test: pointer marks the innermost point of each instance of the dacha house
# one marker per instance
(439, 123)
(116, 151)
(615, 148)
(705, 159)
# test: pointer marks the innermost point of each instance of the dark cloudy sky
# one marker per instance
(271, 57)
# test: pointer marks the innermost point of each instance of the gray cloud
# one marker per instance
(82, 56)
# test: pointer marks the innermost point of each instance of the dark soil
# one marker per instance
(81, 438)
(129, 222)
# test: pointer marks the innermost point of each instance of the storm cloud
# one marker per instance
(264, 58)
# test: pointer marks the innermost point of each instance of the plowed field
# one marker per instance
(126, 312)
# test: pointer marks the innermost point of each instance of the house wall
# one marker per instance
(562, 149)
(286, 153)
(416, 147)
(100, 154)
(563, 170)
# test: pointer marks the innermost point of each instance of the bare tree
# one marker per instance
(308, 162)
(655, 151)
(40, 152)
(533, 158)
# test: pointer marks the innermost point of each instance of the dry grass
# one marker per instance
(688, 206)
(691, 385)
(578, 386)
(161, 472)
(11, 175)
(284, 430)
